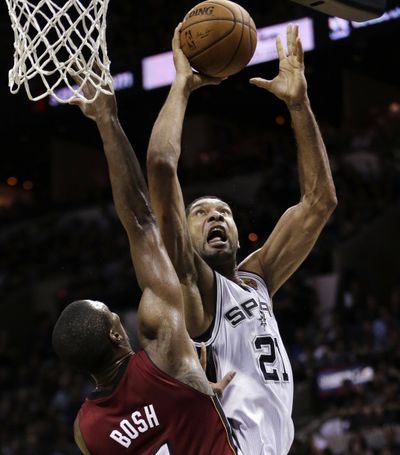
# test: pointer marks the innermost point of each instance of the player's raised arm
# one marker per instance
(298, 229)
(156, 374)
(161, 308)
(166, 196)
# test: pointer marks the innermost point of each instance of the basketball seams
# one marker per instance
(237, 47)
(241, 9)
(212, 19)
(216, 44)
(235, 21)
(218, 41)
(232, 18)
(233, 7)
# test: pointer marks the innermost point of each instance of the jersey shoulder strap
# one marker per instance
(255, 282)
(209, 336)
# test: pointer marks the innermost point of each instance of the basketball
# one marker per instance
(218, 37)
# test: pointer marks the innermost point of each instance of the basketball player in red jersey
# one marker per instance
(158, 400)
(229, 305)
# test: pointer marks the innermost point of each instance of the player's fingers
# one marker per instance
(289, 39)
(74, 73)
(76, 102)
(227, 379)
(203, 356)
(87, 86)
(260, 82)
(220, 386)
(295, 32)
(176, 40)
(280, 49)
(96, 68)
(300, 50)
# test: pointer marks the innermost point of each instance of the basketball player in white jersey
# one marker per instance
(229, 307)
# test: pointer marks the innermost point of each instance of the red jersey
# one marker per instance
(151, 413)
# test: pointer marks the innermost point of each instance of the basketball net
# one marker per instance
(59, 43)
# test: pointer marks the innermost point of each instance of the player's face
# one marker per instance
(212, 229)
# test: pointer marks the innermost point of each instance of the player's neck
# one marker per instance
(105, 380)
(228, 271)
(225, 265)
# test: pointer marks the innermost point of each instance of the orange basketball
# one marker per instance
(218, 37)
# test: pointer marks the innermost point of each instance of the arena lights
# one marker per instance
(280, 120)
(27, 185)
(266, 39)
(330, 381)
(121, 81)
(342, 28)
(12, 181)
(253, 237)
(158, 70)
(394, 107)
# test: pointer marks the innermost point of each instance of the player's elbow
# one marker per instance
(159, 164)
(323, 205)
(329, 202)
(324, 200)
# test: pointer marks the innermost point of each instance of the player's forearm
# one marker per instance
(165, 140)
(316, 182)
(127, 182)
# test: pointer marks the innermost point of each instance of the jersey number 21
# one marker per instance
(269, 358)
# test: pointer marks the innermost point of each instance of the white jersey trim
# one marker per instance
(259, 280)
(217, 321)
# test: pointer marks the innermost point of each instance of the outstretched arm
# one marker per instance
(161, 324)
(166, 196)
(300, 226)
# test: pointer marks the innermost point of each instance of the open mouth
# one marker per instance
(216, 235)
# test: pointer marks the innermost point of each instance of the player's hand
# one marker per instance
(184, 72)
(290, 85)
(103, 107)
(217, 387)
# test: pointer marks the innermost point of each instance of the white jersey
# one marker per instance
(245, 338)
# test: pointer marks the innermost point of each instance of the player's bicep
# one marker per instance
(288, 245)
(156, 313)
(162, 330)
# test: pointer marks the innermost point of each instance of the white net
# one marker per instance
(59, 43)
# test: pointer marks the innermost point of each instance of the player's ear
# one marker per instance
(115, 337)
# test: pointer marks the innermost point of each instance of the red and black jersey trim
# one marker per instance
(229, 431)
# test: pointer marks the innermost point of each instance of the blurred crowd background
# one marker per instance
(60, 239)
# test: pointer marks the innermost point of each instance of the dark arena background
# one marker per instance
(60, 240)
